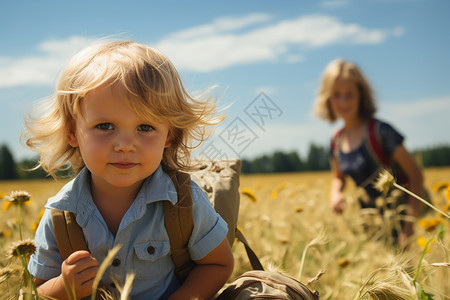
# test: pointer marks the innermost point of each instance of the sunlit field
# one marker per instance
(287, 220)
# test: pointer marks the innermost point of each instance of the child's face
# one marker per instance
(118, 147)
(345, 99)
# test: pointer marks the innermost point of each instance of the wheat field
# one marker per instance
(287, 220)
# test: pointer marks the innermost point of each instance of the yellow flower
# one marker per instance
(422, 242)
(445, 209)
(25, 247)
(6, 205)
(440, 186)
(5, 233)
(430, 224)
(34, 226)
(274, 194)
(447, 193)
(249, 194)
(277, 189)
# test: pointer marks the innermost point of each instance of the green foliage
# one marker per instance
(7, 164)
(280, 162)
(437, 156)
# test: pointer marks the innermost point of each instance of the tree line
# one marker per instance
(317, 159)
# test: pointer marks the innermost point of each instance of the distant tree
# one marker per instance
(437, 156)
(317, 158)
(7, 164)
(26, 169)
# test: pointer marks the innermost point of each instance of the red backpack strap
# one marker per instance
(374, 145)
(179, 222)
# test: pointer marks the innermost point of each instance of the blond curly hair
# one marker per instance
(154, 91)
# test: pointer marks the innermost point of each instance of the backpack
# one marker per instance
(219, 179)
(374, 145)
(267, 285)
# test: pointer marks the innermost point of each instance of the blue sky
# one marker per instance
(266, 58)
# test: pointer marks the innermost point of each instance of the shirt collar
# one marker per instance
(76, 197)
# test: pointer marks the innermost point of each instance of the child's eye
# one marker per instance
(145, 128)
(105, 126)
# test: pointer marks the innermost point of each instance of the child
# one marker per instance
(345, 94)
(122, 118)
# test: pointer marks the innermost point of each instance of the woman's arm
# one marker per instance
(209, 274)
(337, 187)
(415, 179)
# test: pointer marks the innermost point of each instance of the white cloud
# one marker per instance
(43, 68)
(225, 42)
(219, 45)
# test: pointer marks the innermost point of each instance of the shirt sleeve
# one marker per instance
(209, 227)
(46, 262)
(390, 138)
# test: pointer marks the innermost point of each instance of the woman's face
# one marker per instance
(345, 99)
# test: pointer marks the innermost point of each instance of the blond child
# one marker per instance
(345, 94)
(122, 118)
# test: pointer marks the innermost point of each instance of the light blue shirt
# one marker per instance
(145, 248)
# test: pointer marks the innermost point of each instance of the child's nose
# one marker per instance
(125, 143)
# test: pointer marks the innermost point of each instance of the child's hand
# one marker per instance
(78, 272)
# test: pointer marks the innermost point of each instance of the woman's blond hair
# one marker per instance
(340, 68)
(154, 90)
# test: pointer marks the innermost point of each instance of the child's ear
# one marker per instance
(72, 138)
(168, 141)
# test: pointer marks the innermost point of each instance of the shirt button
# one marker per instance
(116, 262)
(150, 250)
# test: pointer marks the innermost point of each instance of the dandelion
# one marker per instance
(386, 181)
(18, 198)
(249, 193)
(24, 248)
(430, 224)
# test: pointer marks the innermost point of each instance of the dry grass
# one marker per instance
(291, 227)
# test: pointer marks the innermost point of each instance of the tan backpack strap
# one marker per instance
(254, 260)
(68, 234)
(179, 222)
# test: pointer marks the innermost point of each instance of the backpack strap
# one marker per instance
(374, 144)
(68, 234)
(178, 220)
(335, 144)
(254, 260)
